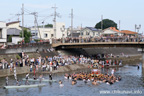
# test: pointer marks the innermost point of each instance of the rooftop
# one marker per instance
(12, 22)
(113, 28)
(92, 28)
(128, 32)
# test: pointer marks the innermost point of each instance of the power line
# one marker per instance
(35, 22)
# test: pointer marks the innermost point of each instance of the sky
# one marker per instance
(86, 12)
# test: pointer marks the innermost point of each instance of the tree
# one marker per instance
(27, 35)
(49, 25)
(106, 24)
(10, 38)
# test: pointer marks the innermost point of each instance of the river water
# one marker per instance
(132, 84)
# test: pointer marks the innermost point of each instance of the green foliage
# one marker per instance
(37, 40)
(106, 24)
(19, 42)
(49, 26)
(17, 56)
(27, 35)
(10, 38)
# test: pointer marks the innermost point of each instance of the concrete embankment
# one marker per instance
(68, 68)
(19, 70)
(130, 60)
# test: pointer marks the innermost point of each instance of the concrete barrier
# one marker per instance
(24, 49)
(19, 70)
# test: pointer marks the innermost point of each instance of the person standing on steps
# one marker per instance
(6, 80)
(50, 76)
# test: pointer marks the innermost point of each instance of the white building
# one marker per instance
(15, 40)
(112, 31)
(14, 29)
(3, 33)
(14, 24)
(48, 33)
(90, 32)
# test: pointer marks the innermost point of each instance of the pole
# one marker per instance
(43, 26)
(37, 25)
(55, 14)
(71, 23)
(81, 33)
(62, 30)
(101, 22)
(22, 21)
(135, 27)
(119, 25)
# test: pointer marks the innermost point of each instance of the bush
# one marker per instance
(10, 38)
(37, 40)
(17, 56)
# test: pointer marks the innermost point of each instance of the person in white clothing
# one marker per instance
(112, 72)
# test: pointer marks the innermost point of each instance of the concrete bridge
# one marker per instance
(98, 44)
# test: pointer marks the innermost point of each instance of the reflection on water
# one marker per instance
(132, 79)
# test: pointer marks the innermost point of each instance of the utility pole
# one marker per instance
(54, 20)
(119, 25)
(23, 21)
(81, 34)
(137, 28)
(101, 22)
(36, 23)
(62, 30)
(43, 26)
(71, 23)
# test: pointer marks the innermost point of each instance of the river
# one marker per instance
(132, 84)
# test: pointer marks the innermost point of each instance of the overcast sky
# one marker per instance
(86, 12)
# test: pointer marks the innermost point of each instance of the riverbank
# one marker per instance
(130, 60)
(19, 70)
(69, 68)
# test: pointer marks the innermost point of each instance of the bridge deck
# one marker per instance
(98, 44)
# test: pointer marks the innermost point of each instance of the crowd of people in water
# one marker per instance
(94, 78)
(91, 77)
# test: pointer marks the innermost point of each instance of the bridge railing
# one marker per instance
(98, 39)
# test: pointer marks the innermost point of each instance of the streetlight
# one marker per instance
(62, 29)
(137, 28)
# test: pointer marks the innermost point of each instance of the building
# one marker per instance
(3, 33)
(90, 32)
(74, 33)
(111, 31)
(130, 33)
(48, 33)
(14, 24)
(13, 31)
